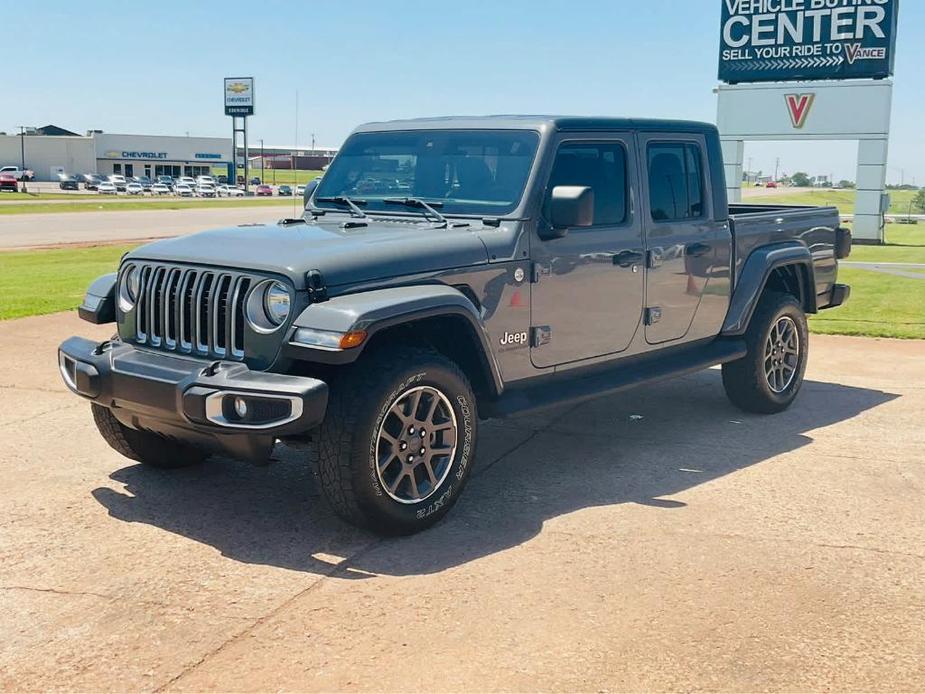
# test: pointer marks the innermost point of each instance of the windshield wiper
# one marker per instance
(352, 203)
(428, 207)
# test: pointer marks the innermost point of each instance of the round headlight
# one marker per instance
(128, 288)
(132, 281)
(276, 303)
(268, 306)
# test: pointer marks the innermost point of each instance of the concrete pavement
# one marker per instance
(56, 229)
(659, 540)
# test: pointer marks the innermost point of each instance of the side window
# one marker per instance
(602, 166)
(675, 181)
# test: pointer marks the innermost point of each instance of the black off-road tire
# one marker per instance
(745, 380)
(346, 452)
(145, 447)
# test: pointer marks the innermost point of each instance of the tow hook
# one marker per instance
(212, 369)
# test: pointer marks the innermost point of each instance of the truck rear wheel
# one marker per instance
(143, 446)
(398, 441)
(769, 377)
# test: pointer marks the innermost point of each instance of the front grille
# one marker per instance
(191, 310)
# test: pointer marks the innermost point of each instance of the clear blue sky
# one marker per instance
(157, 67)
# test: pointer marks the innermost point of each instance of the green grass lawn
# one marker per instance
(278, 177)
(102, 205)
(842, 199)
(37, 282)
(881, 305)
(4, 196)
(905, 243)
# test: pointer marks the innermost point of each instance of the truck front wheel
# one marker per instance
(769, 377)
(398, 441)
(143, 446)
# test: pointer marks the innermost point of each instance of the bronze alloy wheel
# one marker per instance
(416, 444)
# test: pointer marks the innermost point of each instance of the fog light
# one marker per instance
(240, 407)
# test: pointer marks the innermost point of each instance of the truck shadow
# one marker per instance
(642, 447)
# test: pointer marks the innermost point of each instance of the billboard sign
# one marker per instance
(786, 40)
(239, 96)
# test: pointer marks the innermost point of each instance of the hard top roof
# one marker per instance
(541, 123)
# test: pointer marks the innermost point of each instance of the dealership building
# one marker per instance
(106, 153)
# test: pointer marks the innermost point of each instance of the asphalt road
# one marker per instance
(660, 540)
(60, 228)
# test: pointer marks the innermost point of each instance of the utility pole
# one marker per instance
(776, 168)
(313, 144)
(262, 178)
(22, 154)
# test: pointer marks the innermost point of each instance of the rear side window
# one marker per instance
(602, 166)
(675, 181)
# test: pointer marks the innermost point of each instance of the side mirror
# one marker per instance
(570, 206)
(309, 189)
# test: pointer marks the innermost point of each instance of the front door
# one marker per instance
(588, 293)
(683, 240)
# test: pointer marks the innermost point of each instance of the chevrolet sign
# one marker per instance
(239, 96)
(115, 154)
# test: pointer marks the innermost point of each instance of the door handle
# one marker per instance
(698, 249)
(628, 258)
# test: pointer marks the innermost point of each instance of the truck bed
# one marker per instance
(760, 225)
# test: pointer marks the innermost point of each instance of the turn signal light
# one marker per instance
(352, 339)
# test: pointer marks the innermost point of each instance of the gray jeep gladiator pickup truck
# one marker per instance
(447, 271)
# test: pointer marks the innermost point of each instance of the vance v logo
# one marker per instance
(799, 106)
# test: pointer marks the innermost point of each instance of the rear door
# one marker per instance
(588, 292)
(683, 240)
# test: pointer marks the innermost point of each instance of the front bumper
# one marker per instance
(190, 398)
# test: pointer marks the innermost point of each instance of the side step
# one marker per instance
(625, 374)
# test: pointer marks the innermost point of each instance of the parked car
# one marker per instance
(160, 189)
(66, 182)
(204, 190)
(300, 189)
(145, 182)
(206, 180)
(91, 181)
(166, 180)
(119, 182)
(228, 191)
(255, 181)
(388, 344)
(18, 174)
(107, 188)
(187, 181)
(8, 182)
(134, 188)
(284, 190)
(263, 189)
(183, 190)
(772, 184)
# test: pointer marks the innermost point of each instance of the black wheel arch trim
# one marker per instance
(99, 302)
(753, 278)
(380, 309)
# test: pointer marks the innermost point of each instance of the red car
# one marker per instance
(771, 184)
(8, 182)
(264, 189)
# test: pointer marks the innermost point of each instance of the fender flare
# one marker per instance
(377, 310)
(754, 277)
(99, 303)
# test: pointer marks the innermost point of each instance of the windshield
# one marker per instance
(470, 172)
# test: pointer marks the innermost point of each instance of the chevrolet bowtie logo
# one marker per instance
(238, 87)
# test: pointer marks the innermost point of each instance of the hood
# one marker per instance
(344, 256)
